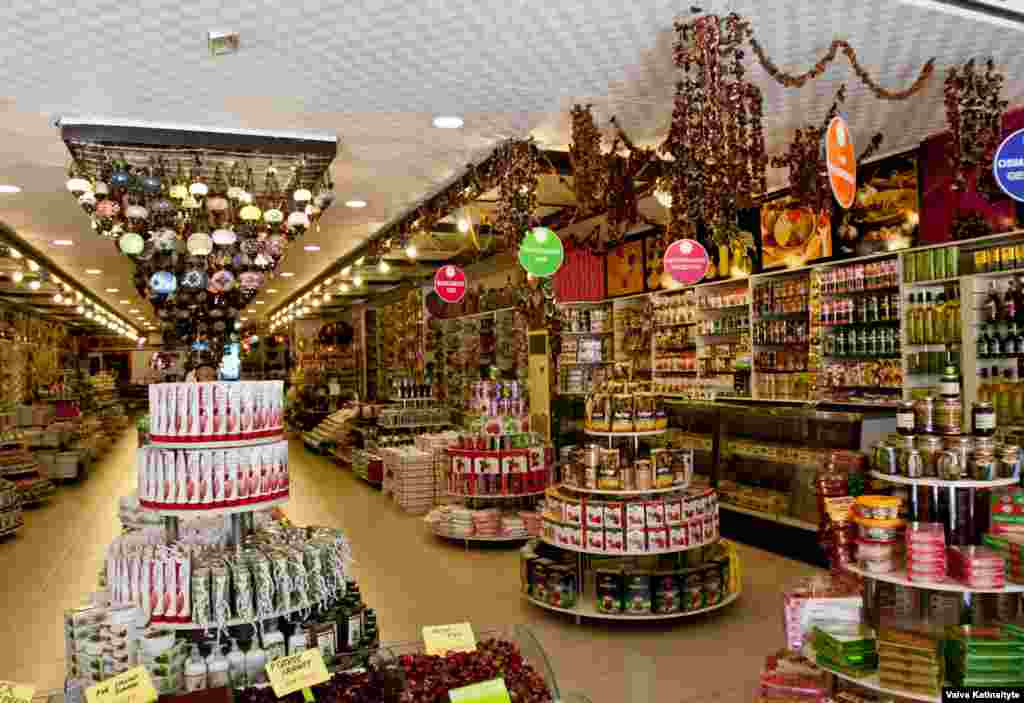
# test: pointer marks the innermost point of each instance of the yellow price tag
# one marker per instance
(133, 686)
(12, 692)
(297, 671)
(441, 639)
(492, 691)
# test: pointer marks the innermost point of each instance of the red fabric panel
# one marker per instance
(580, 278)
(940, 204)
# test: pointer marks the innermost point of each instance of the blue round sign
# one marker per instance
(1008, 165)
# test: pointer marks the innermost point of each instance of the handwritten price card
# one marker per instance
(11, 692)
(296, 672)
(441, 639)
(133, 686)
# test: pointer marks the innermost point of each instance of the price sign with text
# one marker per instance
(450, 283)
(297, 671)
(133, 686)
(441, 639)
(13, 692)
(492, 691)
(686, 261)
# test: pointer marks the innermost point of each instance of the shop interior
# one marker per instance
(548, 354)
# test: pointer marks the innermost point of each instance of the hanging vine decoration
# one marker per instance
(808, 176)
(589, 176)
(517, 192)
(798, 80)
(716, 139)
(974, 110)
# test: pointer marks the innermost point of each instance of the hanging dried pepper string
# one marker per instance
(798, 80)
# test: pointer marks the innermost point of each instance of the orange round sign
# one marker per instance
(841, 162)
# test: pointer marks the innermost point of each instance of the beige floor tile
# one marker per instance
(412, 579)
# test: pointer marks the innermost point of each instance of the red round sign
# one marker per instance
(450, 283)
(686, 261)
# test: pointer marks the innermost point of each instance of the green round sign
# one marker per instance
(541, 252)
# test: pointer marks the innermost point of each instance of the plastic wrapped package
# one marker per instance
(831, 597)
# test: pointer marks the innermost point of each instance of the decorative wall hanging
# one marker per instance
(716, 139)
(517, 193)
(974, 111)
(202, 235)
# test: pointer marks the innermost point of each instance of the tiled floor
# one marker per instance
(412, 578)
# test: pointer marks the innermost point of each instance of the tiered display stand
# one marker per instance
(900, 578)
(10, 509)
(586, 606)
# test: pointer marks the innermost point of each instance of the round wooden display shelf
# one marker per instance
(598, 491)
(226, 444)
(479, 538)
(206, 511)
(941, 483)
(587, 609)
(498, 495)
(645, 433)
(629, 554)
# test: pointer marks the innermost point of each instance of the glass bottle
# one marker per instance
(1003, 397)
(928, 319)
(982, 345)
(912, 335)
(883, 308)
(939, 319)
(984, 392)
(991, 305)
(1010, 301)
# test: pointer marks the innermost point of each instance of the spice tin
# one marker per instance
(610, 590)
(638, 593)
(667, 597)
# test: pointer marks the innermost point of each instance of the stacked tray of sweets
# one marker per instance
(985, 656)
(850, 649)
(910, 660)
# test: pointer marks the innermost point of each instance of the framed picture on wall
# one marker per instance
(624, 269)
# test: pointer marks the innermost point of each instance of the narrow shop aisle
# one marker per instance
(412, 579)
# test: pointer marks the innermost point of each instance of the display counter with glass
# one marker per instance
(763, 462)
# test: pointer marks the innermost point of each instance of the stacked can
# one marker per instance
(878, 526)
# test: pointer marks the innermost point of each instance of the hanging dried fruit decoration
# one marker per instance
(716, 139)
(974, 110)
(808, 176)
(589, 174)
(517, 192)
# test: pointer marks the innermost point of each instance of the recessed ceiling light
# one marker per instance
(448, 122)
(62, 242)
(126, 302)
(9, 189)
(311, 247)
(93, 271)
(113, 290)
(355, 203)
(287, 274)
(261, 302)
(272, 290)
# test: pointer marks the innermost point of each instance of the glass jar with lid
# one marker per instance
(930, 447)
(905, 417)
(983, 419)
(924, 414)
(949, 415)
